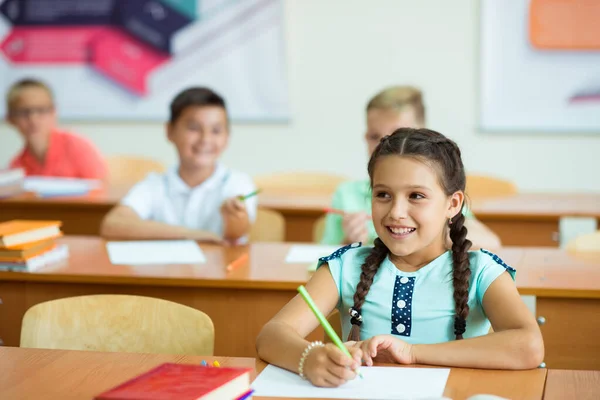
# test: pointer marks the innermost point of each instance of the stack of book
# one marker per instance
(27, 245)
(11, 182)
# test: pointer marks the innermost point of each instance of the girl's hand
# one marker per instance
(387, 348)
(328, 367)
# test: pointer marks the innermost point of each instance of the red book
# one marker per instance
(183, 382)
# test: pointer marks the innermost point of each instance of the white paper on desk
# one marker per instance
(52, 186)
(306, 253)
(155, 252)
(379, 383)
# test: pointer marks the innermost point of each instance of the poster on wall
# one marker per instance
(540, 66)
(127, 59)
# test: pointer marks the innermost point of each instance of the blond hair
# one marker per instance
(399, 98)
(15, 91)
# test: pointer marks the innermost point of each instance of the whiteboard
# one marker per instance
(540, 71)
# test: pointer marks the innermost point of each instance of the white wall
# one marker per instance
(340, 52)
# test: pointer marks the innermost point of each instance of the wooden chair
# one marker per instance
(299, 182)
(585, 243)
(268, 227)
(126, 170)
(480, 187)
(118, 323)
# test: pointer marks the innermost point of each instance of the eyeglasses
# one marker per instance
(24, 113)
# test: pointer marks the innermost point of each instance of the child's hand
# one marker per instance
(387, 348)
(233, 207)
(328, 367)
(204, 236)
(355, 227)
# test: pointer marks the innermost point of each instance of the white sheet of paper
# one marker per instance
(51, 186)
(379, 383)
(155, 252)
(307, 253)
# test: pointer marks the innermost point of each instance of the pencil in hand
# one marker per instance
(326, 325)
(249, 195)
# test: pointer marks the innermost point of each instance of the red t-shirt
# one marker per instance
(68, 156)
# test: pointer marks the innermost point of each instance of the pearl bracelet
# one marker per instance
(309, 348)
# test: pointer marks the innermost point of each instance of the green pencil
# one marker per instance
(246, 197)
(326, 325)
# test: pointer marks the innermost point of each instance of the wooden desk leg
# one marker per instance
(570, 328)
(12, 309)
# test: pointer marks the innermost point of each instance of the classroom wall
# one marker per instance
(339, 53)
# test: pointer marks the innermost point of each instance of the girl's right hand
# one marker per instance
(354, 226)
(328, 367)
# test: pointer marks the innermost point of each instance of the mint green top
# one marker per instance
(416, 306)
(353, 196)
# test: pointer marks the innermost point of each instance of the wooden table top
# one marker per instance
(65, 375)
(88, 262)
(539, 206)
(545, 272)
(580, 385)
(551, 272)
(106, 197)
(522, 206)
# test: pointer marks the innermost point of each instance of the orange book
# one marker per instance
(18, 232)
(26, 251)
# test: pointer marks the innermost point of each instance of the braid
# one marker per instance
(461, 272)
(369, 269)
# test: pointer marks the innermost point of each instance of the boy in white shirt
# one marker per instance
(199, 198)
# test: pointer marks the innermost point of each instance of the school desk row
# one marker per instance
(566, 288)
(41, 373)
(520, 220)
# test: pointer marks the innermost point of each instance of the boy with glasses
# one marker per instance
(48, 151)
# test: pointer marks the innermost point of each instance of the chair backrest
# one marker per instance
(118, 323)
(480, 187)
(305, 182)
(585, 243)
(268, 227)
(124, 170)
(319, 229)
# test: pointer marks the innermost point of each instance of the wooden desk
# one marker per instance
(239, 302)
(81, 215)
(532, 219)
(520, 220)
(300, 211)
(526, 219)
(59, 374)
(567, 290)
(579, 385)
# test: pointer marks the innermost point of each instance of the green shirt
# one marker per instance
(353, 196)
